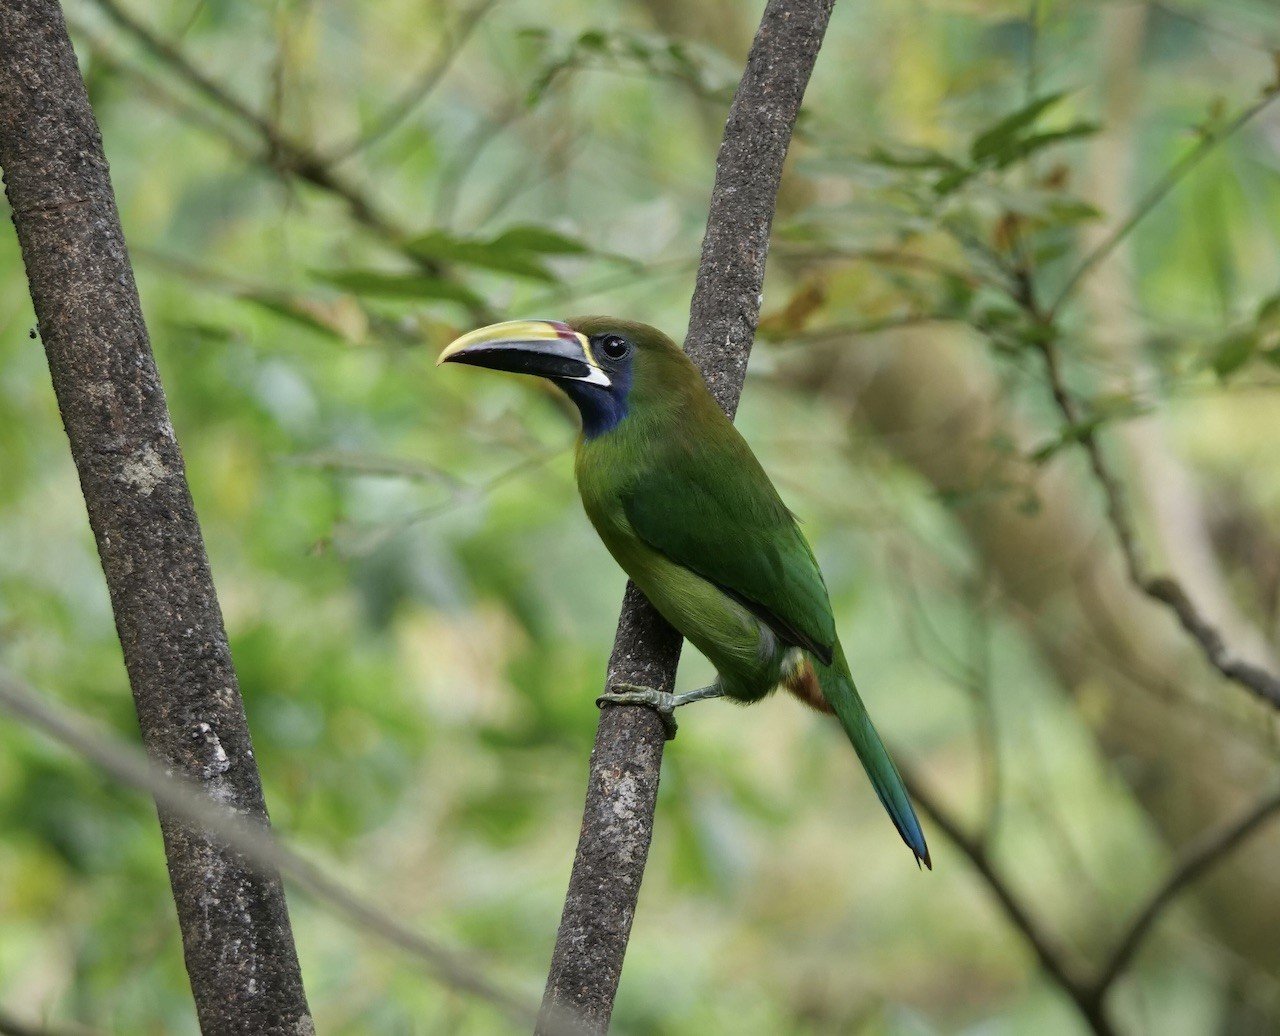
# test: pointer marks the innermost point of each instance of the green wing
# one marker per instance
(710, 507)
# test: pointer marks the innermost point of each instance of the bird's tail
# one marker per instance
(839, 690)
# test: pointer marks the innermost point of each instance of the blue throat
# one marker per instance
(601, 408)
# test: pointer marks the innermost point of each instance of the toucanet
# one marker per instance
(684, 507)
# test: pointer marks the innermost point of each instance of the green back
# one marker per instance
(692, 489)
(709, 506)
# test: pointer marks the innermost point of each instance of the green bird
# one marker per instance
(685, 508)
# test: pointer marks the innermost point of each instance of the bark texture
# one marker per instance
(617, 823)
(239, 947)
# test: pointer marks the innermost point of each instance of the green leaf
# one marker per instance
(378, 284)
(542, 82)
(1110, 406)
(953, 181)
(1030, 505)
(911, 158)
(1018, 149)
(486, 254)
(682, 59)
(1069, 436)
(285, 308)
(1232, 352)
(628, 52)
(638, 48)
(1269, 312)
(992, 141)
(529, 238)
(997, 315)
(1067, 211)
(1049, 253)
(201, 332)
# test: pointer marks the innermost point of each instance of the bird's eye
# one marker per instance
(615, 347)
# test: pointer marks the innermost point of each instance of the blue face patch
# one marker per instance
(603, 407)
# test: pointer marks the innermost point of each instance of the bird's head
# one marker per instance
(605, 366)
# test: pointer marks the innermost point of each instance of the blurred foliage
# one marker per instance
(419, 613)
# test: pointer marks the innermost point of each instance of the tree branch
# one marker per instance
(236, 935)
(420, 89)
(1196, 859)
(617, 822)
(1062, 972)
(1090, 995)
(1163, 588)
(258, 845)
(279, 151)
(282, 152)
(1159, 587)
(12, 1026)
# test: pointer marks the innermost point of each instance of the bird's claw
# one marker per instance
(662, 702)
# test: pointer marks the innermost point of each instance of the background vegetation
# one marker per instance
(420, 615)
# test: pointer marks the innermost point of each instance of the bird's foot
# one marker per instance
(701, 694)
(663, 703)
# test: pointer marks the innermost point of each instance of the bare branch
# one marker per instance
(279, 151)
(1089, 996)
(1062, 972)
(11, 1026)
(237, 939)
(617, 822)
(859, 328)
(255, 843)
(350, 463)
(282, 152)
(1197, 858)
(187, 110)
(1163, 588)
(420, 89)
(461, 493)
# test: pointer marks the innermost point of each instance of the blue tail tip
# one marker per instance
(909, 829)
(914, 837)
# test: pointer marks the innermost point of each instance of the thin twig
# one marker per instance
(349, 463)
(1034, 29)
(883, 257)
(1163, 588)
(1176, 173)
(861, 328)
(455, 175)
(420, 89)
(460, 494)
(1195, 860)
(1090, 996)
(1064, 973)
(1210, 26)
(12, 1026)
(187, 110)
(281, 152)
(617, 823)
(255, 842)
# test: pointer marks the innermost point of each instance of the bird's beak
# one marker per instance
(546, 348)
